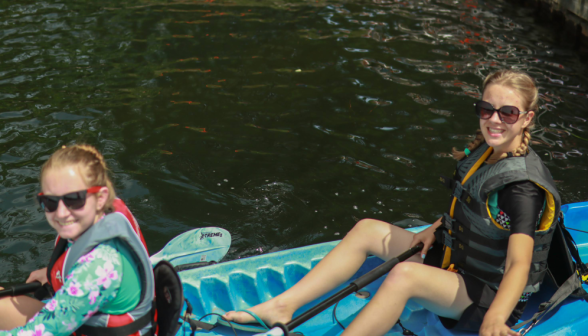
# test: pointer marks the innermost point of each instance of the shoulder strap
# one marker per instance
(573, 248)
(58, 250)
(571, 287)
(563, 292)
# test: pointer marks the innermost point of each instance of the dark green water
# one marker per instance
(284, 123)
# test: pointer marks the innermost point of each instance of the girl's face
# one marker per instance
(501, 136)
(69, 223)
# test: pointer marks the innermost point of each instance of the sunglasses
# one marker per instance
(73, 201)
(506, 114)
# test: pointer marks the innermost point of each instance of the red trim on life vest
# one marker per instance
(57, 276)
(121, 320)
(120, 206)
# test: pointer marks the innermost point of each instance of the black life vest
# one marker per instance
(474, 242)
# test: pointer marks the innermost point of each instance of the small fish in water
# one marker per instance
(252, 152)
(269, 129)
(440, 52)
(365, 165)
(166, 126)
(165, 152)
(404, 160)
(421, 99)
(197, 129)
(253, 86)
(441, 112)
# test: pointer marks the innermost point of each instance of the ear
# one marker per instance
(528, 118)
(101, 198)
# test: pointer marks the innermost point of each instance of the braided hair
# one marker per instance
(91, 164)
(524, 85)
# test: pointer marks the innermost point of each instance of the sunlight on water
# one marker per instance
(283, 122)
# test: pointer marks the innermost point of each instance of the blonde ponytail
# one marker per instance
(478, 140)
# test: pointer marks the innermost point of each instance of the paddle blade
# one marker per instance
(203, 244)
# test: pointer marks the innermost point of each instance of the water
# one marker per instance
(283, 122)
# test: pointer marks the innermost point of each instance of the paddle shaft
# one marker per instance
(356, 285)
(20, 289)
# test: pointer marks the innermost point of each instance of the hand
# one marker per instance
(38, 275)
(427, 237)
(496, 327)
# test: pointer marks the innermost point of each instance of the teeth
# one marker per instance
(65, 223)
(493, 130)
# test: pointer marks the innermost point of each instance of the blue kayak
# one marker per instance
(243, 283)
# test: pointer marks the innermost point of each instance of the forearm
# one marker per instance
(509, 291)
(93, 282)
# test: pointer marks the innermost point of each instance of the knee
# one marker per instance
(369, 225)
(403, 277)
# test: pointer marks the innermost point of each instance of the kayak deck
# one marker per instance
(243, 283)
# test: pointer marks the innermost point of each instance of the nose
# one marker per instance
(495, 118)
(62, 211)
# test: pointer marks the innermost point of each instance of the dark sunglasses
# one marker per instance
(507, 114)
(73, 201)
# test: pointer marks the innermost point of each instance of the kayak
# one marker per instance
(243, 283)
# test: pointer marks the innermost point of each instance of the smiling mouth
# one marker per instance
(495, 131)
(68, 223)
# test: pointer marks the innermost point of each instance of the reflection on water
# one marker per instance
(284, 123)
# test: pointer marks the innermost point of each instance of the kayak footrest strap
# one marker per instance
(196, 325)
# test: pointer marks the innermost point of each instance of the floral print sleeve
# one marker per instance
(92, 283)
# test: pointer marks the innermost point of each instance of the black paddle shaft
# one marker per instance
(20, 289)
(356, 285)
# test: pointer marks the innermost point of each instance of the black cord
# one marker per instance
(335, 316)
(576, 230)
(186, 314)
(222, 317)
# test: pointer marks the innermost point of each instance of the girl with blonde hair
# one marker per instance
(482, 260)
(99, 260)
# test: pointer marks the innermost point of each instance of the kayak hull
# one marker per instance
(243, 283)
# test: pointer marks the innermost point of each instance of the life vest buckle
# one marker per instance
(457, 191)
(451, 268)
(448, 239)
(448, 222)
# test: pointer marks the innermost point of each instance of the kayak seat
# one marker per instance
(169, 298)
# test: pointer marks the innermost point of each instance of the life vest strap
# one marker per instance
(462, 232)
(563, 292)
(444, 237)
(463, 251)
(125, 330)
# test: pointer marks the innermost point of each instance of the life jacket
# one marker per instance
(474, 243)
(55, 272)
(116, 225)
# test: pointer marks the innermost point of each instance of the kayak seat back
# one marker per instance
(169, 298)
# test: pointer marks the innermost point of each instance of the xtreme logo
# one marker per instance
(210, 235)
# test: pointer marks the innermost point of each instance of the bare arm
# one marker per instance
(518, 262)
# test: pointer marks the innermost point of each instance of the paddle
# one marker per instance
(21, 289)
(191, 249)
(280, 329)
(198, 246)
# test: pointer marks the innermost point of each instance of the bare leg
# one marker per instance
(367, 237)
(16, 311)
(445, 296)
